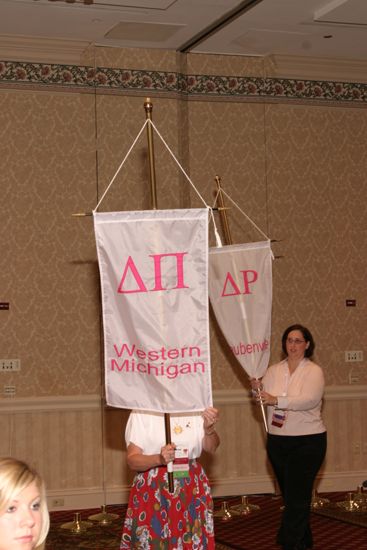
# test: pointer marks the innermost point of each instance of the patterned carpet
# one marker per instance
(334, 512)
(332, 529)
(257, 531)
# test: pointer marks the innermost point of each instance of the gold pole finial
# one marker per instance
(148, 106)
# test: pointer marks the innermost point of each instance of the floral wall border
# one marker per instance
(85, 78)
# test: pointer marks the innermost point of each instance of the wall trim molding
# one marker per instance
(332, 393)
(94, 497)
(94, 402)
(250, 485)
(46, 404)
(258, 484)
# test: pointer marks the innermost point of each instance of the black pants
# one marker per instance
(296, 461)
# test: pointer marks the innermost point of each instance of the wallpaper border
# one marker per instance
(93, 401)
(106, 79)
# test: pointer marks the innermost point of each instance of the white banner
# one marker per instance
(240, 291)
(154, 272)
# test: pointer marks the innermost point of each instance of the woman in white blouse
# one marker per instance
(155, 517)
(296, 443)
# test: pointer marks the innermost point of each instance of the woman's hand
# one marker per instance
(266, 398)
(167, 453)
(140, 462)
(260, 395)
(210, 416)
(256, 384)
(211, 438)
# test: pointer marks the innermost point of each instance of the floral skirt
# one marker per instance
(158, 519)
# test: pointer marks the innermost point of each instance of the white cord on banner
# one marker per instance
(217, 237)
(148, 121)
(246, 216)
(121, 165)
(216, 196)
(178, 164)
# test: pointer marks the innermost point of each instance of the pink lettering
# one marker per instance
(244, 349)
(230, 280)
(135, 273)
(157, 258)
(173, 353)
(124, 347)
(141, 367)
(170, 371)
(249, 276)
(119, 368)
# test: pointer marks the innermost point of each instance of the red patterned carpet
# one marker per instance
(255, 531)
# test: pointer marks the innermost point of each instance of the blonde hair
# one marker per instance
(15, 476)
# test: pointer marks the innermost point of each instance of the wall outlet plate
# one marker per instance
(353, 356)
(9, 365)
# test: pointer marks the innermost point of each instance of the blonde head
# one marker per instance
(15, 476)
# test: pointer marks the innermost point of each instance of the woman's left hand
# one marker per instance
(266, 398)
(210, 416)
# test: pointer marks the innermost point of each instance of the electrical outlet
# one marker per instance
(353, 356)
(9, 365)
(9, 391)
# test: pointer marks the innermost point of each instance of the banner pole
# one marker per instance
(228, 240)
(223, 213)
(263, 413)
(148, 106)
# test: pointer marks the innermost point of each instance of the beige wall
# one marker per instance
(295, 166)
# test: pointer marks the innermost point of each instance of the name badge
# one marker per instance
(181, 462)
(278, 418)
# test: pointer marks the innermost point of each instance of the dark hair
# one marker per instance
(306, 335)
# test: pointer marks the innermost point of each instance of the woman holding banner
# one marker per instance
(156, 518)
(296, 443)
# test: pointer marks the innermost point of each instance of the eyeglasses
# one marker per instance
(296, 341)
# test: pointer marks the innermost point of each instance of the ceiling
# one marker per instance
(316, 28)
